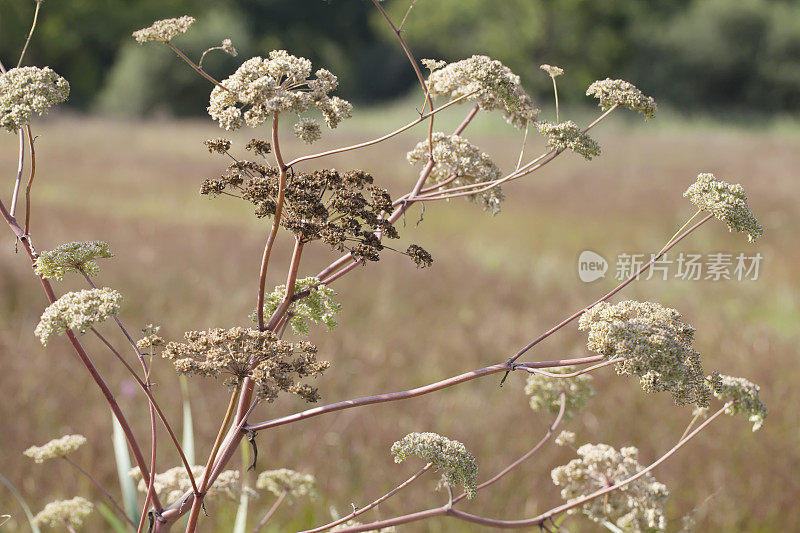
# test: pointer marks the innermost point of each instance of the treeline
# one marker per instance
(738, 55)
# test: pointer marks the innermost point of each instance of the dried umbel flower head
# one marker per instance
(55, 448)
(219, 145)
(638, 506)
(274, 365)
(281, 82)
(565, 438)
(433, 64)
(28, 90)
(78, 311)
(744, 395)
(307, 130)
(76, 257)
(420, 256)
(151, 338)
(164, 30)
(228, 48)
(545, 391)
(172, 484)
(553, 71)
(72, 512)
(493, 84)
(726, 202)
(568, 136)
(458, 466)
(456, 156)
(258, 147)
(654, 343)
(294, 484)
(620, 92)
(318, 306)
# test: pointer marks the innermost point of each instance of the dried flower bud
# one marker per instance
(620, 92)
(28, 90)
(568, 136)
(258, 146)
(219, 145)
(744, 395)
(639, 506)
(552, 70)
(294, 484)
(73, 512)
(55, 448)
(76, 257)
(77, 311)
(228, 48)
(726, 202)
(164, 30)
(654, 343)
(457, 464)
(545, 391)
(308, 130)
(420, 257)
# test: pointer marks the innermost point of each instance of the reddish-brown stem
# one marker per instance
(271, 512)
(108, 496)
(375, 503)
(290, 284)
(30, 181)
(194, 66)
(419, 391)
(611, 293)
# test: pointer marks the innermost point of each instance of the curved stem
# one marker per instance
(290, 284)
(195, 66)
(20, 168)
(30, 181)
(30, 33)
(110, 498)
(271, 512)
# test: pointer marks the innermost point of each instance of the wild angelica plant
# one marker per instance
(349, 212)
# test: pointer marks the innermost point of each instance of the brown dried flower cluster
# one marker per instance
(275, 365)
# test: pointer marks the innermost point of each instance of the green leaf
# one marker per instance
(126, 483)
(116, 524)
(240, 526)
(187, 442)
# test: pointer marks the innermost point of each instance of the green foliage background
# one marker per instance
(732, 55)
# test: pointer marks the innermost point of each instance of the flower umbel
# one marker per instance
(654, 343)
(457, 464)
(55, 448)
(620, 92)
(318, 306)
(165, 30)
(568, 136)
(553, 71)
(28, 90)
(294, 484)
(456, 156)
(637, 506)
(726, 202)
(71, 257)
(744, 395)
(565, 438)
(77, 311)
(73, 512)
(174, 483)
(545, 391)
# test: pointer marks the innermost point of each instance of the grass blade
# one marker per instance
(115, 523)
(126, 483)
(22, 503)
(240, 525)
(188, 426)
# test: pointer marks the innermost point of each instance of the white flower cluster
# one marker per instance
(726, 202)
(228, 48)
(165, 30)
(318, 306)
(654, 343)
(457, 464)
(73, 512)
(294, 484)
(552, 70)
(493, 83)
(172, 484)
(28, 90)
(545, 391)
(77, 311)
(745, 398)
(55, 448)
(565, 438)
(279, 83)
(456, 156)
(568, 136)
(620, 92)
(71, 257)
(638, 506)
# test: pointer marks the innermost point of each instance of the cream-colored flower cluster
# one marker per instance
(568, 136)
(164, 30)
(545, 391)
(565, 438)
(319, 306)
(745, 398)
(262, 86)
(620, 92)
(55, 448)
(493, 84)
(552, 70)
(28, 90)
(654, 343)
(458, 466)
(638, 506)
(172, 484)
(71, 257)
(72, 512)
(726, 202)
(78, 311)
(456, 156)
(294, 484)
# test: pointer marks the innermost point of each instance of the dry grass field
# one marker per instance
(188, 262)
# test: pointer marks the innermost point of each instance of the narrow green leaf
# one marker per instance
(22, 503)
(240, 526)
(188, 425)
(126, 483)
(111, 518)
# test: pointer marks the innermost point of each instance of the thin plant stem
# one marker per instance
(30, 33)
(555, 92)
(408, 12)
(100, 487)
(195, 66)
(290, 284)
(20, 169)
(522, 149)
(30, 181)
(271, 512)
(576, 373)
